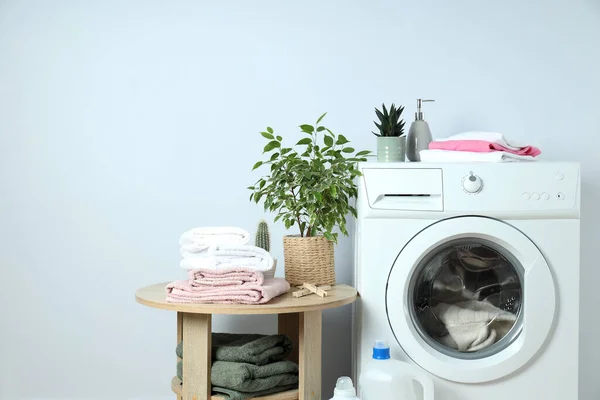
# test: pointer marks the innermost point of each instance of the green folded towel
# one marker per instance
(253, 378)
(241, 380)
(247, 348)
(248, 377)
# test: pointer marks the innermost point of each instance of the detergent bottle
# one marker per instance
(384, 378)
(344, 389)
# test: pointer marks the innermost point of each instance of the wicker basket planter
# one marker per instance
(308, 259)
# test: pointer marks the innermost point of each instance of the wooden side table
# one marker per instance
(298, 318)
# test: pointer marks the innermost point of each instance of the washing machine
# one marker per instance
(471, 272)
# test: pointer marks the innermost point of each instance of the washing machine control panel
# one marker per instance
(502, 189)
(511, 187)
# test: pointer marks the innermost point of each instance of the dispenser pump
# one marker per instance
(419, 134)
(419, 113)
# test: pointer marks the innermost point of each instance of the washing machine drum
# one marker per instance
(470, 299)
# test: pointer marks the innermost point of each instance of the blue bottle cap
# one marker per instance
(381, 350)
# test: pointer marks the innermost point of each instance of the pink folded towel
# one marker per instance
(482, 146)
(227, 277)
(246, 293)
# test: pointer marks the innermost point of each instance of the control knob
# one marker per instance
(472, 183)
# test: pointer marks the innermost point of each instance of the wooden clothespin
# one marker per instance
(308, 288)
(318, 291)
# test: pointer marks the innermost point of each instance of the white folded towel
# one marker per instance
(218, 257)
(470, 156)
(199, 239)
(493, 137)
(473, 325)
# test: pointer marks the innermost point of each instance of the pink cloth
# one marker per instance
(227, 277)
(482, 146)
(246, 293)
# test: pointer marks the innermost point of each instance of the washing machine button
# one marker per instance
(535, 196)
(472, 183)
(526, 196)
(545, 196)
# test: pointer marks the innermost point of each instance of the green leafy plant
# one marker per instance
(311, 184)
(262, 238)
(390, 123)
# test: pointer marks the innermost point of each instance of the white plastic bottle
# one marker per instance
(386, 379)
(344, 389)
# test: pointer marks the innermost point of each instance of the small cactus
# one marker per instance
(262, 238)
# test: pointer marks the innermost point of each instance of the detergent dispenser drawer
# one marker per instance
(404, 189)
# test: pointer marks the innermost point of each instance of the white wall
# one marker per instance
(123, 123)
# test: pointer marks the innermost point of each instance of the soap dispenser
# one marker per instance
(419, 134)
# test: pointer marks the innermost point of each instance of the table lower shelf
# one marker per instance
(288, 395)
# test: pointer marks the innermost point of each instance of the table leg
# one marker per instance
(179, 338)
(310, 355)
(196, 356)
(288, 324)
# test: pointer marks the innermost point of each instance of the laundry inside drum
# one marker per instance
(466, 298)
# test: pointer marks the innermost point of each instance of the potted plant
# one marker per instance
(309, 186)
(391, 142)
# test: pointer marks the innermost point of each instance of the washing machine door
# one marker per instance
(470, 299)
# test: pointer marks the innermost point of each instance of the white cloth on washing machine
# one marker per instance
(470, 156)
(473, 325)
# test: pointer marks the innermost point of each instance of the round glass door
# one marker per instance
(470, 299)
(465, 298)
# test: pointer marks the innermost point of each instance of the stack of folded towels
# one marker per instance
(218, 248)
(478, 146)
(224, 269)
(249, 365)
(228, 286)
